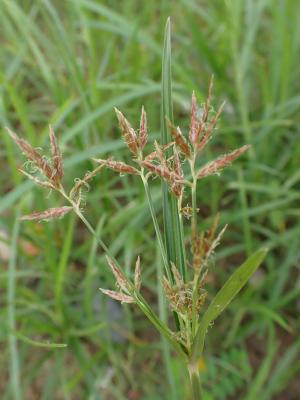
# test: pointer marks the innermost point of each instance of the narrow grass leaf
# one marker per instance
(226, 294)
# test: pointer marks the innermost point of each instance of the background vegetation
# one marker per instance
(69, 63)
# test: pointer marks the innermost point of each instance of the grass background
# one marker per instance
(69, 63)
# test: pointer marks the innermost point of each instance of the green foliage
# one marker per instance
(70, 63)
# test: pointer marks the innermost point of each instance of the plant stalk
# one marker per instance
(194, 375)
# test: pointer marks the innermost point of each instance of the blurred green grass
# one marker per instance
(68, 64)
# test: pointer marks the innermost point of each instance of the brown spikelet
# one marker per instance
(210, 129)
(32, 154)
(121, 279)
(180, 140)
(75, 192)
(56, 156)
(128, 132)
(176, 274)
(51, 213)
(138, 274)
(216, 166)
(45, 184)
(194, 120)
(143, 133)
(154, 154)
(198, 243)
(123, 298)
(213, 228)
(215, 243)
(160, 154)
(118, 166)
(177, 188)
(162, 171)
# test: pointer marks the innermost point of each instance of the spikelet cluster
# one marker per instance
(124, 294)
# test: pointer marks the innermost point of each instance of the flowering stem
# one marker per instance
(141, 302)
(156, 227)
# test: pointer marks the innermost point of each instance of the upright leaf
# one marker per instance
(172, 227)
(225, 295)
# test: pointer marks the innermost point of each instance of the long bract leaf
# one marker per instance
(172, 228)
(226, 294)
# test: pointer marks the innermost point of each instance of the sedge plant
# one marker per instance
(185, 251)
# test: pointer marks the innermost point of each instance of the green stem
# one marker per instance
(141, 302)
(194, 375)
(156, 227)
(194, 233)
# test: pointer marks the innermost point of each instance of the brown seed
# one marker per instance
(56, 156)
(216, 166)
(128, 133)
(143, 134)
(118, 296)
(47, 215)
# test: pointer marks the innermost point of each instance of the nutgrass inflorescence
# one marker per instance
(176, 163)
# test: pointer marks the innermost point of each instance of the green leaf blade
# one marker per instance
(225, 295)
